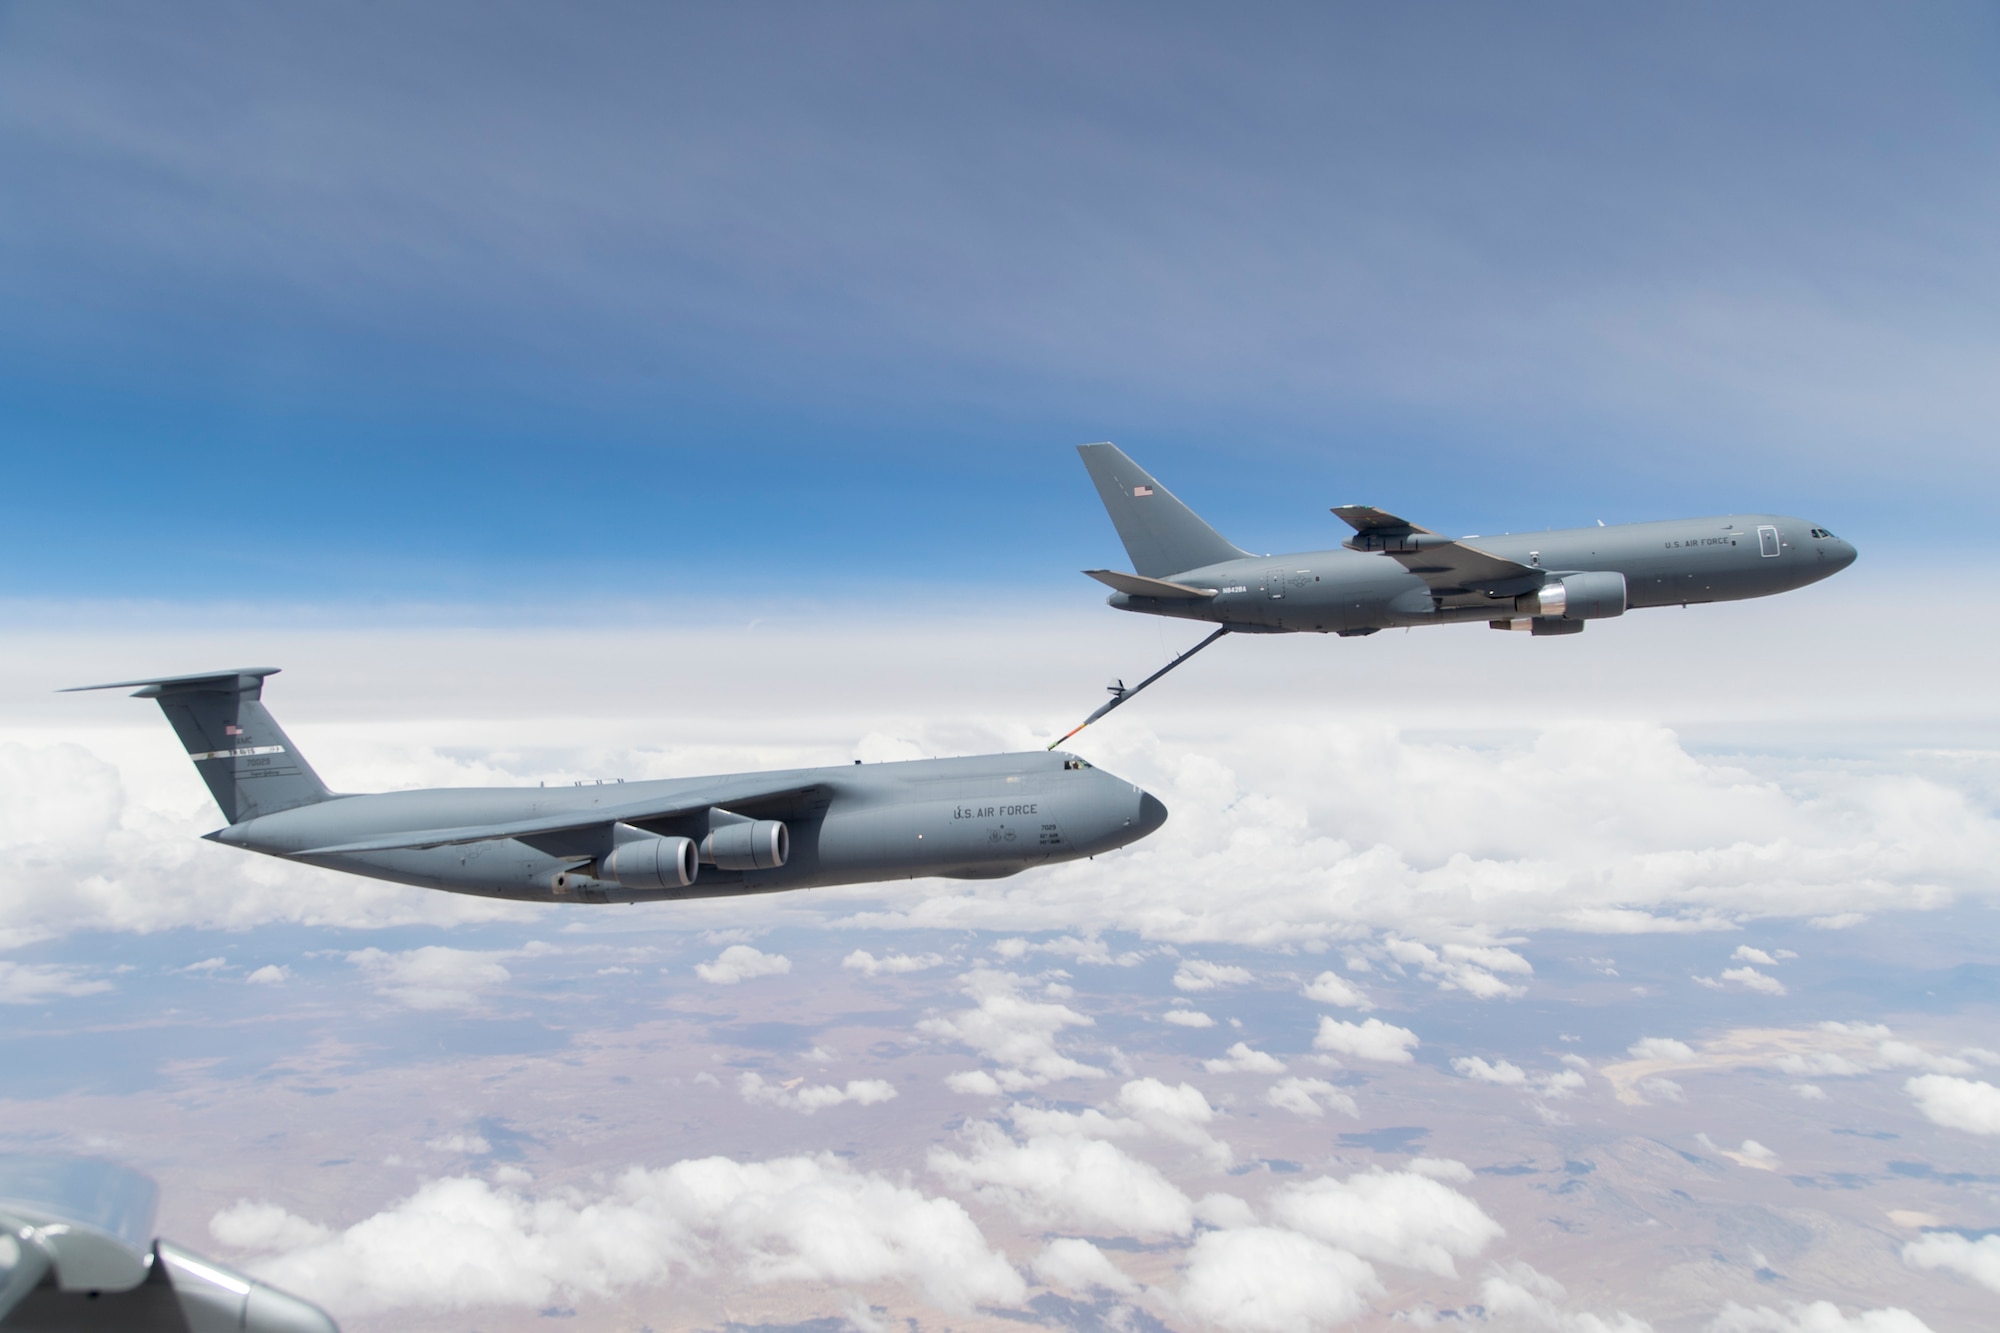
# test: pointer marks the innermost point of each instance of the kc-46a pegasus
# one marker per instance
(982, 817)
(1393, 573)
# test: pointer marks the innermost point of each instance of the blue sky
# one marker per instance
(626, 390)
(471, 303)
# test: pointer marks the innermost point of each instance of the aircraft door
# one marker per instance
(1274, 582)
(1767, 540)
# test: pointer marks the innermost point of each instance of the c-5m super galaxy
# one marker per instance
(977, 818)
(1392, 573)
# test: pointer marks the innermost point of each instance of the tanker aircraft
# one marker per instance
(984, 817)
(1393, 573)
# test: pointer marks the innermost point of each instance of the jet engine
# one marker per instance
(1592, 596)
(652, 863)
(763, 844)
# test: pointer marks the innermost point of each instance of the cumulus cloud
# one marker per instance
(1146, 1108)
(271, 974)
(1199, 975)
(1269, 1280)
(1188, 1018)
(1816, 1317)
(1074, 1264)
(1462, 967)
(1519, 1295)
(1661, 1048)
(1242, 1059)
(869, 965)
(33, 983)
(1393, 1217)
(1975, 1259)
(1065, 1180)
(1334, 989)
(1746, 954)
(798, 1095)
(1972, 1105)
(1370, 1039)
(1749, 978)
(433, 977)
(1312, 1097)
(742, 962)
(1504, 1073)
(1015, 1033)
(461, 1242)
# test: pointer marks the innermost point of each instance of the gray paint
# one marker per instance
(77, 1253)
(1424, 579)
(982, 817)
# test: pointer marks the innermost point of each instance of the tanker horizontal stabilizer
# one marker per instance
(1138, 585)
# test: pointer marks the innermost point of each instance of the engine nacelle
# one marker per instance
(1593, 596)
(763, 844)
(652, 863)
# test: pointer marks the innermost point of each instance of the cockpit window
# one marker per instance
(1821, 533)
(1075, 764)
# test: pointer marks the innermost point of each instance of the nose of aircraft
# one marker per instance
(1152, 813)
(1841, 553)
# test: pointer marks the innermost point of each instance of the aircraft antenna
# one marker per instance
(1120, 692)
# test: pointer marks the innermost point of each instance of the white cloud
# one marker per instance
(1370, 1039)
(1188, 1018)
(474, 1145)
(1392, 1217)
(1177, 1113)
(247, 1225)
(33, 983)
(1517, 1294)
(1441, 1168)
(1065, 1180)
(207, 965)
(1076, 1265)
(1811, 1092)
(742, 962)
(1505, 1073)
(1751, 979)
(1199, 975)
(1661, 1090)
(1268, 1280)
(433, 977)
(460, 1242)
(1746, 954)
(1972, 1105)
(1462, 967)
(1975, 1259)
(1816, 1317)
(1242, 1059)
(271, 974)
(1312, 1097)
(1660, 1048)
(798, 1095)
(869, 965)
(1015, 1033)
(1334, 989)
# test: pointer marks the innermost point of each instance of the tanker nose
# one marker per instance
(1152, 813)
(1843, 553)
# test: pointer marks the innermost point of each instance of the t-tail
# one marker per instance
(250, 765)
(1161, 534)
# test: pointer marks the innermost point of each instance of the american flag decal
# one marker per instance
(231, 729)
(1142, 490)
